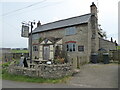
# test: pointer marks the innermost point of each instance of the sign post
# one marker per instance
(25, 33)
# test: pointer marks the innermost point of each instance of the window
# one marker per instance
(35, 48)
(67, 47)
(80, 48)
(35, 36)
(70, 31)
(71, 47)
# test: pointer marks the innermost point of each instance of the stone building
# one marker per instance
(107, 45)
(76, 37)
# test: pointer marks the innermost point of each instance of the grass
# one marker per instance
(19, 51)
(5, 65)
(118, 47)
(7, 76)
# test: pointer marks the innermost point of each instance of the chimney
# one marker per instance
(93, 9)
(111, 39)
(38, 24)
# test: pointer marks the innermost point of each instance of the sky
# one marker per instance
(14, 12)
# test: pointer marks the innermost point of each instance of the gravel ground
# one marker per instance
(97, 76)
(90, 76)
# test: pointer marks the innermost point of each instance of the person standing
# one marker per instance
(21, 61)
(25, 62)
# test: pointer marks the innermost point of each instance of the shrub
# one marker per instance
(5, 65)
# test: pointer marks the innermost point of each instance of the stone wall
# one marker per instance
(115, 55)
(43, 71)
(107, 45)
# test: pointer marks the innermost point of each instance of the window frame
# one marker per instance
(70, 31)
(81, 48)
(71, 47)
(35, 48)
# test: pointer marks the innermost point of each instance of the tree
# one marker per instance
(104, 34)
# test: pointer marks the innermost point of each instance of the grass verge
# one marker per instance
(19, 51)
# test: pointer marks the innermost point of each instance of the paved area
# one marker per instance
(97, 76)
(90, 76)
(14, 84)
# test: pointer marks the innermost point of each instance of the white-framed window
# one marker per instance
(70, 31)
(71, 47)
(35, 48)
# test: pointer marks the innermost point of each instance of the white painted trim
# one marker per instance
(49, 42)
(42, 42)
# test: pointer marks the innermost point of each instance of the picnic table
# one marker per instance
(40, 61)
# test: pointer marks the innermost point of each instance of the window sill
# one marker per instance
(71, 34)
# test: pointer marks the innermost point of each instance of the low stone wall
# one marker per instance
(44, 71)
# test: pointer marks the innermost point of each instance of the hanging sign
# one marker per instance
(25, 31)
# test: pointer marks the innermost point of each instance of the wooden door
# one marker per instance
(46, 52)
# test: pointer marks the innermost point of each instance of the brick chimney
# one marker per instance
(38, 24)
(93, 9)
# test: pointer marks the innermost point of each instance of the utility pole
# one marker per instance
(31, 24)
(25, 34)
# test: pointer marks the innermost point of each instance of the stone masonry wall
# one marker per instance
(108, 45)
(82, 38)
(43, 71)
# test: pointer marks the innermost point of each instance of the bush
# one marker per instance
(5, 65)
(59, 60)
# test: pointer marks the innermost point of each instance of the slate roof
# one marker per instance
(63, 23)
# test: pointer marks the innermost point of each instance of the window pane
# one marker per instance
(67, 47)
(80, 48)
(71, 47)
(35, 48)
(67, 31)
(70, 31)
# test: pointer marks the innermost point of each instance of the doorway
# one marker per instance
(46, 53)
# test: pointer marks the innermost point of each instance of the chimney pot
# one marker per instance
(93, 9)
(38, 24)
(93, 3)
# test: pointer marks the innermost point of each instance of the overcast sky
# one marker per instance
(49, 11)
